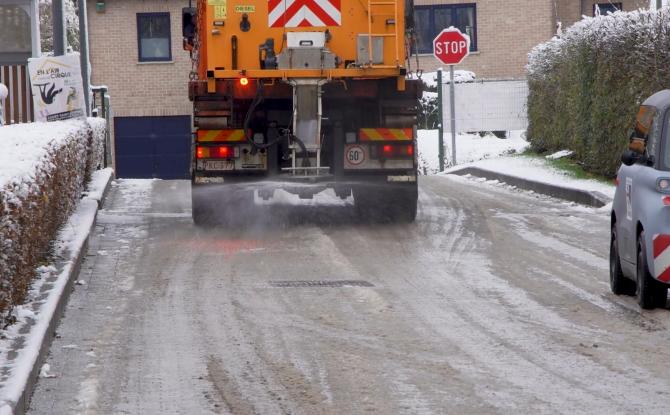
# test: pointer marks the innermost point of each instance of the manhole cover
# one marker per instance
(325, 284)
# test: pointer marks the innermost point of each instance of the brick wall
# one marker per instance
(138, 89)
(508, 30)
(505, 35)
(570, 11)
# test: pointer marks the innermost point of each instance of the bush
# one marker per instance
(38, 191)
(586, 86)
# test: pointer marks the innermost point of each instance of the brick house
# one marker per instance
(502, 33)
(136, 51)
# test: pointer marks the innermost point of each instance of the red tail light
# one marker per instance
(217, 152)
(224, 152)
(244, 81)
(396, 151)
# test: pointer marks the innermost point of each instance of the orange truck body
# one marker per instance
(303, 91)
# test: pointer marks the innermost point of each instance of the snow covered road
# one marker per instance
(494, 301)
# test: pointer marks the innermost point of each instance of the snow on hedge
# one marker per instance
(586, 85)
(43, 171)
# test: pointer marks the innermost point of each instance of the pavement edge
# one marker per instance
(584, 197)
(23, 403)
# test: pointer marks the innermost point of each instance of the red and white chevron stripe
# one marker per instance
(304, 13)
(662, 257)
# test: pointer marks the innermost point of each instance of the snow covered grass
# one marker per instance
(505, 156)
(469, 148)
(540, 170)
(43, 171)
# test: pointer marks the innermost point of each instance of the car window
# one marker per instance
(653, 137)
(643, 121)
(646, 132)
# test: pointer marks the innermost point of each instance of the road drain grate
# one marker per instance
(324, 284)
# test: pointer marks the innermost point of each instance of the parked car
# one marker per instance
(640, 226)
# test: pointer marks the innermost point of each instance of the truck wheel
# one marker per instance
(619, 284)
(403, 205)
(650, 293)
(230, 208)
(388, 205)
(200, 212)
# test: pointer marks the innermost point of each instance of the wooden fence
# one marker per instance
(18, 107)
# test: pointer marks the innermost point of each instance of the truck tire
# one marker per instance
(201, 212)
(650, 293)
(229, 208)
(403, 205)
(387, 205)
(619, 284)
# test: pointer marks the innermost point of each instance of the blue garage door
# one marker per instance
(153, 147)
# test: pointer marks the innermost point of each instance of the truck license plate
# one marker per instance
(219, 165)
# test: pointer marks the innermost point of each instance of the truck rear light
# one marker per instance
(217, 152)
(244, 81)
(395, 151)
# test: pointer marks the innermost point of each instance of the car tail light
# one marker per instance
(666, 200)
(217, 152)
(396, 151)
(663, 185)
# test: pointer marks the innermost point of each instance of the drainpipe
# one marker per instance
(35, 29)
(60, 36)
(83, 55)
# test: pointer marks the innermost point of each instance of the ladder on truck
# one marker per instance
(383, 4)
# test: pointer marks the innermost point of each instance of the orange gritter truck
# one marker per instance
(302, 95)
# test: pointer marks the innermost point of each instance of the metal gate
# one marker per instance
(18, 106)
(153, 147)
(488, 105)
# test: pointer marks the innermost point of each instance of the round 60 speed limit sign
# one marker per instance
(355, 155)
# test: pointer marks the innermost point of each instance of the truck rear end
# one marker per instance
(302, 96)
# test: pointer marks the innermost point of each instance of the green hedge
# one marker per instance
(35, 204)
(586, 85)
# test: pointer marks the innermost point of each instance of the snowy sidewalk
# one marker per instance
(24, 345)
(492, 158)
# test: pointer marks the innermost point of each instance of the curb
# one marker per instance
(584, 197)
(29, 360)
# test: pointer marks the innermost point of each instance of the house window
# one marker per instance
(605, 8)
(429, 21)
(153, 37)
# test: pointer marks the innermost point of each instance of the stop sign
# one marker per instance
(451, 46)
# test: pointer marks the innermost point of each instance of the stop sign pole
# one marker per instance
(450, 47)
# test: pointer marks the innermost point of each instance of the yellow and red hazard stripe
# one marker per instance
(229, 135)
(385, 134)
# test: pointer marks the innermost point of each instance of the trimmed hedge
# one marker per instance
(35, 204)
(586, 85)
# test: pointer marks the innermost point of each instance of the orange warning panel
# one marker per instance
(385, 134)
(209, 136)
